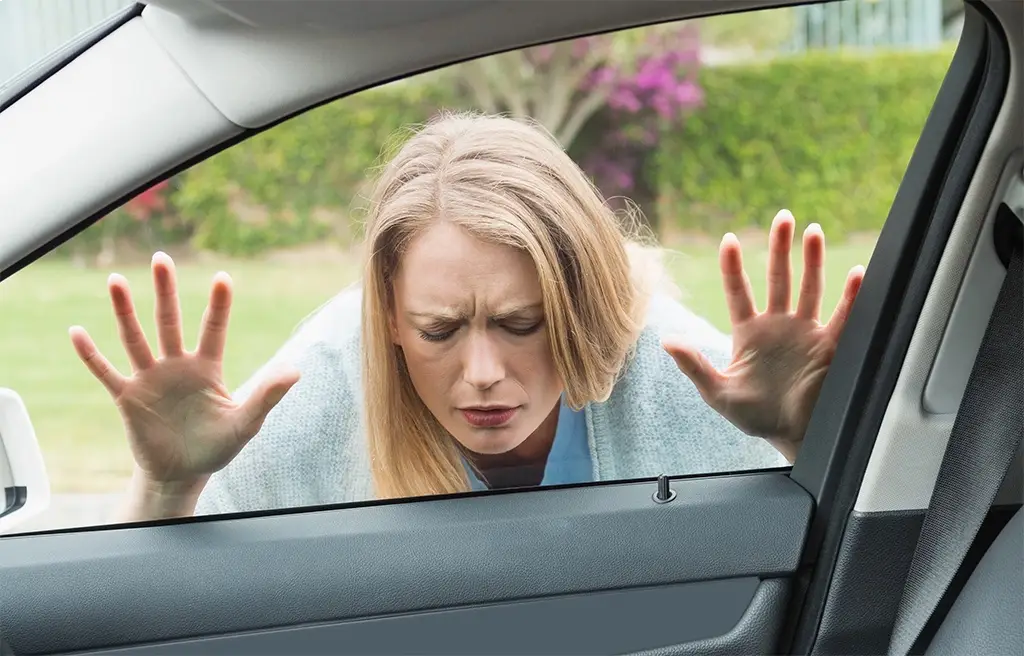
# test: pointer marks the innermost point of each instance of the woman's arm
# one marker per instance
(310, 450)
(780, 355)
(672, 320)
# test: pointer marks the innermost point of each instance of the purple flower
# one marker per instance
(625, 99)
(602, 76)
(655, 90)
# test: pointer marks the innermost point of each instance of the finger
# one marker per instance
(845, 305)
(214, 330)
(128, 326)
(812, 282)
(739, 296)
(168, 310)
(780, 275)
(100, 367)
(254, 410)
(696, 367)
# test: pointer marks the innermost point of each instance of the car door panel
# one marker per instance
(711, 617)
(228, 575)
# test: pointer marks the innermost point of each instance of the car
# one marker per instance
(854, 549)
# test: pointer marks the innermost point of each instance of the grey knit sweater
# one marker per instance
(312, 448)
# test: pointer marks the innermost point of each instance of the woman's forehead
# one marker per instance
(451, 249)
(447, 268)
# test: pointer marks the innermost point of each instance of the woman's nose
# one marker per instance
(483, 366)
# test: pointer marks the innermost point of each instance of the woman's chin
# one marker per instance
(490, 442)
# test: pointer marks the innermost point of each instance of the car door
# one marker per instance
(787, 560)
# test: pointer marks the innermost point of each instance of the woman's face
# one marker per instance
(470, 321)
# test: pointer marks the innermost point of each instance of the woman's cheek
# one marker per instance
(533, 355)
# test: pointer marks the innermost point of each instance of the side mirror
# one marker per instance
(24, 484)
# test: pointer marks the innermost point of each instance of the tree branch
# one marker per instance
(583, 111)
(511, 84)
(479, 86)
(554, 100)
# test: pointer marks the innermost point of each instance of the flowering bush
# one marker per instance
(655, 93)
(616, 90)
(149, 202)
(826, 135)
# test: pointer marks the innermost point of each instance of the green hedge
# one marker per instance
(825, 135)
(300, 181)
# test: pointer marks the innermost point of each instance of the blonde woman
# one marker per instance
(501, 336)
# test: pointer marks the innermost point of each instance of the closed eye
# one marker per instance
(523, 331)
(436, 336)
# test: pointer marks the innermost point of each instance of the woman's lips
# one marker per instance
(488, 417)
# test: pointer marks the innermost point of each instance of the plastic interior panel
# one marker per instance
(867, 582)
(756, 633)
(974, 303)
(229, 575)
(316, 51)
(615, 622)
(135, 116)
(908, 449)
(6, 475)
(918, 423)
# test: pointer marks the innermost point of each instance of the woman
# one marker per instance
(506, 332)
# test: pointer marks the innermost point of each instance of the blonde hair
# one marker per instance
(506, 182)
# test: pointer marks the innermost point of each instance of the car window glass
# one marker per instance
(705, 142)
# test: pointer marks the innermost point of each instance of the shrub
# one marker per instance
(299, 181)
(826, 135)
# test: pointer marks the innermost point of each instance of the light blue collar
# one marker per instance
(569, 460)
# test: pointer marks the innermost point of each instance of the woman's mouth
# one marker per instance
(492, 417)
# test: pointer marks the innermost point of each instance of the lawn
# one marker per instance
(76, 422)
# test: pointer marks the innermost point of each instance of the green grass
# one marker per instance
(77, 425)
(694, 267)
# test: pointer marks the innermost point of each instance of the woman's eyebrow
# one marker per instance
(515, 310)
(454, 315)
(441, 315)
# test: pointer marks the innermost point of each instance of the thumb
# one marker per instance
(696, 367)
(268, 393)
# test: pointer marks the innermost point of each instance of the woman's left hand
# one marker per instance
(779, 356)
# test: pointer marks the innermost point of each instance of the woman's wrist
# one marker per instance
(789, 448)
(148, 499)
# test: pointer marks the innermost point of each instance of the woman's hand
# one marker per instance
(181, 422)
(780, 356)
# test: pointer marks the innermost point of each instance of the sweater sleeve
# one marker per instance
(310, 450)
(687, 432)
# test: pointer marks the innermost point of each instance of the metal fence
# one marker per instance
(895, 24)
(32, 29)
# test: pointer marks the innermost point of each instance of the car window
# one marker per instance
(32, 30)
(577, 262)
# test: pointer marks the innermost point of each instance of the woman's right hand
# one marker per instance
(181, 422)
